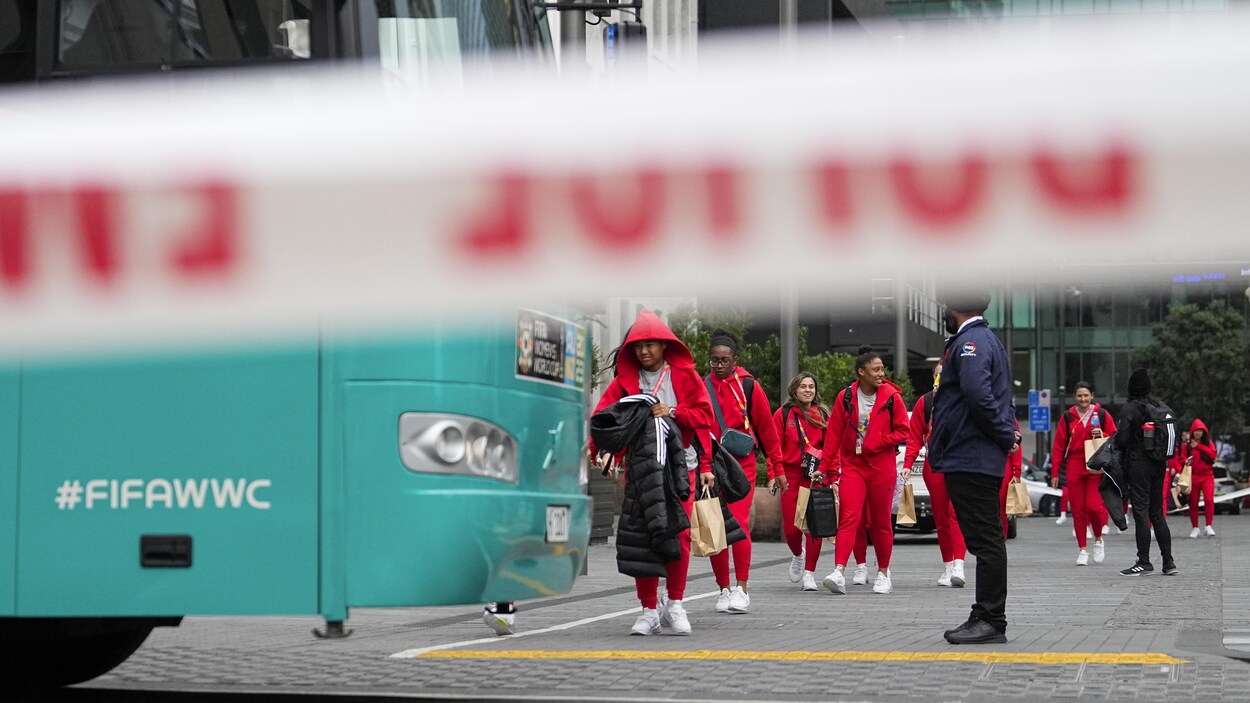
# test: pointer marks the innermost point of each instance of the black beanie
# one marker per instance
(1139, 382)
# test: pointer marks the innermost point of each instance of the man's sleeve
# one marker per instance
(976, 373)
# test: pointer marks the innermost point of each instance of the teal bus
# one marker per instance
(442, 467)
(438, 464)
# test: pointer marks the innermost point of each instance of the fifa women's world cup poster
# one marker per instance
(550, 349)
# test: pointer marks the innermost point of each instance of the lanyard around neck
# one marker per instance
(740, 396)
(663, 372)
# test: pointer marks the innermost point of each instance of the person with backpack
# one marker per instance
(1198, 453)
(744, 425)
(800, 423)
(1084, 420)
(867, 424)
(652, 360)
(1147, 441)
(950, 539)
(974, 426)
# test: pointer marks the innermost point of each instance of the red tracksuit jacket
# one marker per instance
(729, 393)
(694, 409)
(1203, 452)
(886, 430)
(1070, 438)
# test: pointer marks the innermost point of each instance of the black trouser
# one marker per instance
(1145, 490)
(975, 497)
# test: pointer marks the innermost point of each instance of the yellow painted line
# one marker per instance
(1054, 658)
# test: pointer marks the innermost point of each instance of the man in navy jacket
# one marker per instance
(974, 426)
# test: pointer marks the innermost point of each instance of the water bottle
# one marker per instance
(1148, 431)
(1094, 421)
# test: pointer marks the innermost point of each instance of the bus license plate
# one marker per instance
(557, 523)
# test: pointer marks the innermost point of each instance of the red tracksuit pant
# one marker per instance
(866, 495)
(741, 549)
(675, 580)
(796, 539)
(950, 539)
(1202, 486)
(1088, 509)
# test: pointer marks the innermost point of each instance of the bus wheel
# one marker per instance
(69, 659)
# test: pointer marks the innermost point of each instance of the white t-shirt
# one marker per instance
(866, 403)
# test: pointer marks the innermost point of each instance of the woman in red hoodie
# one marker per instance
(950, 539)
(744, 407)
(1199, 455)
(800, 423)
(1085, 420)
(653, 360)
(868, 422)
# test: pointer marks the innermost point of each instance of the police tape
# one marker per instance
(285, 203)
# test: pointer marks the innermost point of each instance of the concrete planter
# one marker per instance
(765, 516)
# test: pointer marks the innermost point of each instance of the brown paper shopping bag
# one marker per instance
(1018, 501)
(1091, 446)
(707, 526)
(906, 507)
(1186, 481)
(800, 510)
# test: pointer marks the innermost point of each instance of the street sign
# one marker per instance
(1039, 418)
(1043, 397)
(1034, 397)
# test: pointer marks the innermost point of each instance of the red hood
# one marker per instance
(650, 326)
(1200, 425)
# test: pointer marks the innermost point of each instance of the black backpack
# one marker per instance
(846, 401)
(1164, 443)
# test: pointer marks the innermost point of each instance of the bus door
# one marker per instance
(10, 386)
(171, 485)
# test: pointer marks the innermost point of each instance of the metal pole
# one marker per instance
(1038, 383)
(789, 334)
(900, 327)
(572, 42)
(789, 22)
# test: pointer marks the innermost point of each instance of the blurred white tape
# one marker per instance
(282, 204)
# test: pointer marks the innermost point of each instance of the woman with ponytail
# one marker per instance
(867, 424)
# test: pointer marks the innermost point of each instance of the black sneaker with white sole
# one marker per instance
(1169, 569)
(1138, 570)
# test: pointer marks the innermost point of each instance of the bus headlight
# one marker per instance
(457, 444)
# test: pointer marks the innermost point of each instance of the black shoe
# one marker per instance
(1139, 569)
(967, 624)
(1169, 569)
(976, 632)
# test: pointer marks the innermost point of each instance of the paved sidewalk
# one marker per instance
(1072, 630)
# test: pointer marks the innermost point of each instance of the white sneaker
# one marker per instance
(501, 623)
(722, 601)
(674, 618)
(1100, 552)
(957, 574)
(796, 568)
(1193, 534)
(836, 583)
(882, 584)
(739, 600)
(1082, 559)
(1210, 531)
(809, 581)
(945, 578)
(861, 575)
(647, 624)
(1063, 517)
(1106, 529)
